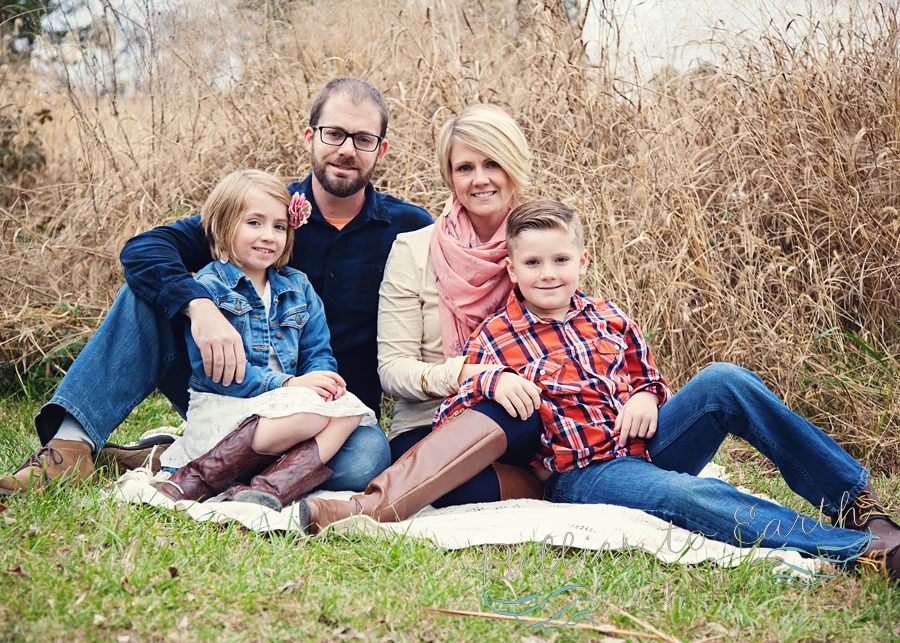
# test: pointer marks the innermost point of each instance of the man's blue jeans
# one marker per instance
(725, 399)
(137, 350)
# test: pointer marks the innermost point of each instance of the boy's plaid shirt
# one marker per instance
(587, 366)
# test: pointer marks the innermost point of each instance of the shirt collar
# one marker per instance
(231, 275)
(373, 207)
(522, 319)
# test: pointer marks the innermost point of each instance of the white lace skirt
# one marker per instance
(211, 417)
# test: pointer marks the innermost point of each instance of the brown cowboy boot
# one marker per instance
(866, 513)
(518, 482)
(213, 471)
(297, 472)
(59, 459)
(445, 459)
(118, 458)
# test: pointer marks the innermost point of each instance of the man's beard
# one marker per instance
(341, 188)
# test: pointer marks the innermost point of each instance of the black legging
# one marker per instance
(523, 438)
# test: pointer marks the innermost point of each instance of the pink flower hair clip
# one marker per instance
(299, 210)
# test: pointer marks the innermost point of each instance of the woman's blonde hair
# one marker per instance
(489, 130)
(228, 202)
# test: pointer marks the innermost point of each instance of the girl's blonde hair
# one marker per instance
(228, 202)
(489, 130)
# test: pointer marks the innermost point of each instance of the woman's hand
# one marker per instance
(638, 417)
(330, 386)
(520, 397)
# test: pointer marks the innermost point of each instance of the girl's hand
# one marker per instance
(330, 386)
(520, 397)
(638, 417)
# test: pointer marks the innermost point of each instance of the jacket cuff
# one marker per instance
(174, 298)
(274, 381)
(443, 379)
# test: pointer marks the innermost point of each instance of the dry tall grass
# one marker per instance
(747, 213)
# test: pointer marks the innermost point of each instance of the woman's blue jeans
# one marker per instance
(725, 399)
(138, 350)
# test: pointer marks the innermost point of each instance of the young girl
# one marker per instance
(292, 412)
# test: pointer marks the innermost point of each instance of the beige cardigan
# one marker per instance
(409, 334)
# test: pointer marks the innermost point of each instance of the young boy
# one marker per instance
(600, 389)
(601, 397)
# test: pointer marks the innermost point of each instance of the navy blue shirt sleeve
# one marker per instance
(158, 264)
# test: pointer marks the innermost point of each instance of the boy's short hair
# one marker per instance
(488, 130)
(228, 202)
(357, 90)
(543, 215)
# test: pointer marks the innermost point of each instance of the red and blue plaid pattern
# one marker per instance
(587, 366)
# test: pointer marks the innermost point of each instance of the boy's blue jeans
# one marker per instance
(719, 400)
(137, 350)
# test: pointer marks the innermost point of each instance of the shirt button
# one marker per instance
(331, 275)
(543, 372)
(293, 362)
(279, 334)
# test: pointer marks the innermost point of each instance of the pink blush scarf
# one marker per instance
(472, 280)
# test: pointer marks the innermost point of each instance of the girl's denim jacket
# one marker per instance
(296, 328)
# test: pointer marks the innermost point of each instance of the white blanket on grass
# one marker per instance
(592, 527)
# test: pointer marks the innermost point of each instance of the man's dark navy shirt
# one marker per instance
(344, 266)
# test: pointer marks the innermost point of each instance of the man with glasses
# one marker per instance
(140, 345)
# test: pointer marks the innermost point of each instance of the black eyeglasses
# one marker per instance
(336, 137)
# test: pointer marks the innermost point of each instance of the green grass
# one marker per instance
(94, 570)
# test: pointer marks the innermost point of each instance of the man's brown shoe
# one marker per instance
(59, 459)
(881, 561)
(118, 459)
(867, 514)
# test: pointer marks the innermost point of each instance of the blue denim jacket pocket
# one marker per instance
(236, 310)
(296, 317)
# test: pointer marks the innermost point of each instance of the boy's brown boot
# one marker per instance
(441, 462)
(297, 472)
(59, 459)
(213, 471)
(866, 513)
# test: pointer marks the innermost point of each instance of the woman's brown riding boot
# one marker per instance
(213, 471)
(297, 472)
(518, 482)
(441, 462)
(866, 513)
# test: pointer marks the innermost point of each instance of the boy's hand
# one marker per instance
(638, 417)
(520, 397)
(330, 386)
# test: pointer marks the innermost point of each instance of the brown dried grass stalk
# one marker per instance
(747, 213)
